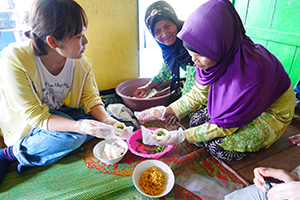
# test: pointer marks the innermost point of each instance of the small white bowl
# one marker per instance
(99, 149)
(144, 166)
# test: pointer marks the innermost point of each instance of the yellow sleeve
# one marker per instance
(207, 132)
(194, 99)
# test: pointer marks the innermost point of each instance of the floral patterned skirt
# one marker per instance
(213, 146)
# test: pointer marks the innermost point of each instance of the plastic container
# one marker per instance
(125, 91)
(134, 144)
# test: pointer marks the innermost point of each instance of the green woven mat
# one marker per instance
(81, 176)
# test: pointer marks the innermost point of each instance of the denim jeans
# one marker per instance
(42, 147)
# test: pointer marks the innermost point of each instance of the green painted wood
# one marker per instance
(275, 36)
(241, 6)
(260, 13)
(275, 24)
(295, 69)
(286, 16)
(284, 53)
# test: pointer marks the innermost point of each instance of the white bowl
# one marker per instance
(99, 149)
(144, 166)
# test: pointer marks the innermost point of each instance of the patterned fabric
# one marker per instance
(165, 75)
(214, 148)
(254, 136)
(260, 133)
(80, 175)
(199, 118)
(189, 79)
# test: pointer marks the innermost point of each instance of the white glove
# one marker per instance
(127, 132)
(95, 128)
(110, 121)
(176, 137)
(148, 137)
(155, 113)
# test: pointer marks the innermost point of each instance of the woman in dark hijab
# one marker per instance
(162, 22)
(249, 95)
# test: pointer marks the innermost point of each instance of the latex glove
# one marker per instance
(110, 121)
(155, 113)
(127, 132)
(95, 128)
(148, 137)
(123, 131)
(176, 137)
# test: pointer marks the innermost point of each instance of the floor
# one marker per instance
(282, 154)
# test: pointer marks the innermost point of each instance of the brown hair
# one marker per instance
(58, 18)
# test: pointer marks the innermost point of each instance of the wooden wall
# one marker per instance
(275, 24)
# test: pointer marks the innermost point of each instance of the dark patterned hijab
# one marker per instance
(247, 78)
(174, 54)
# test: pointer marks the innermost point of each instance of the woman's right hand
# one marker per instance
(261, 172)
(141, 91)
(157, 113)
(95, 128)
(154, 113)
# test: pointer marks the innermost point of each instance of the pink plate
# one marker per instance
(138, 148)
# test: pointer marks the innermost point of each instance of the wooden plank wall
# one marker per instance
(274, 24)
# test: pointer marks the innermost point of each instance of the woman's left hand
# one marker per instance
(154, 113)
(176, 137)
(110, 121)
(128, 130)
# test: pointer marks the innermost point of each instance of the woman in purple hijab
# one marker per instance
(249, 96)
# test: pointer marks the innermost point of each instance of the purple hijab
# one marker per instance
(247, 78)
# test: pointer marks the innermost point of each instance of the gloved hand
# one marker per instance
(95, 128)
(127, 132)
(176, 137)
(110, 121)
(148, 137)
(155, 113)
